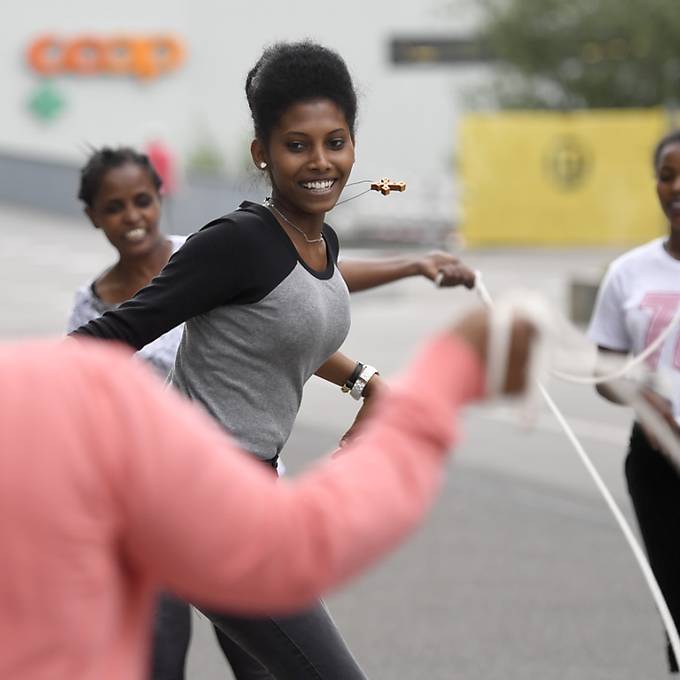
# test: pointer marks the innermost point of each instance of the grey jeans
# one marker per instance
(305, 646)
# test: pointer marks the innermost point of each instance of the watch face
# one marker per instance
(358, 388)
(367, 373)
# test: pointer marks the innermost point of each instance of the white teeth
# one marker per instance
(135, 234)
(319, 185)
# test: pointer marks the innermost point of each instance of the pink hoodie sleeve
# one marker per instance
(218, 528)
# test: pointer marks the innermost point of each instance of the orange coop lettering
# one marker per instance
(45, 55)
(145, 57)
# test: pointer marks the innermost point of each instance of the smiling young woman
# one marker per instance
(265, 307)
(636, 301)
(310, 155)
(120, 190)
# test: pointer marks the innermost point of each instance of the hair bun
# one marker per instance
(287, 73)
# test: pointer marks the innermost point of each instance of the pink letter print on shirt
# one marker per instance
(663, 306)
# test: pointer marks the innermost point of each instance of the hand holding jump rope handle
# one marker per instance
(449, 271)
(511, 377)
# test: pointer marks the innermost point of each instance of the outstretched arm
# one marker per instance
(205, 272)
(364, 274)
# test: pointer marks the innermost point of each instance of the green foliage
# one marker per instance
(584, 53)
(206, 160)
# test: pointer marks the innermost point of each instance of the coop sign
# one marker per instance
(141, 56)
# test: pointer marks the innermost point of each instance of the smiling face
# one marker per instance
(310, 155)
(127, 209)
(668, 183)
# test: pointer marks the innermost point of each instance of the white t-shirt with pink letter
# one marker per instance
(636, 301)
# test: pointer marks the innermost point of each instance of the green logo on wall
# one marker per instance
(46, 103)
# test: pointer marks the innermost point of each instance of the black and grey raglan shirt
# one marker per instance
(258, 323)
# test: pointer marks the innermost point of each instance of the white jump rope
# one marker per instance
(534, 309)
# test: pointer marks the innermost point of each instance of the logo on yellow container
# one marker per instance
(568, 162)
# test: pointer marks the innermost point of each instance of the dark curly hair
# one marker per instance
(672, 137)
(104, 159)
(288, 73)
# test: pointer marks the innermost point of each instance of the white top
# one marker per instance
(160, 353)
(636, 301)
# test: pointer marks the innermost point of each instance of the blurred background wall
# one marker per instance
(480, 105)
(198, 111)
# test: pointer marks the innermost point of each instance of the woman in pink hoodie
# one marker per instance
(93, 451)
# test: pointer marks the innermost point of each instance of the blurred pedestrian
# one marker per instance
(112, 486)
(120, 190)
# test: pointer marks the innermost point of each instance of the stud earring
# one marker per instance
(263, 165)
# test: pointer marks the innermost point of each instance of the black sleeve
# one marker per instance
(206, 272)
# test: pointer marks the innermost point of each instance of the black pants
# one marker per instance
(654, 486)
(306, 646)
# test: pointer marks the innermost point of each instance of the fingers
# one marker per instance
(450, 275)
(519, 356)
(474, 329)
(344, 440)
(446, 270)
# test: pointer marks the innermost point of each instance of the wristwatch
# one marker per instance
(367, 372)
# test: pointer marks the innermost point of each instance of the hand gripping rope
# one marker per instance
(536, 311)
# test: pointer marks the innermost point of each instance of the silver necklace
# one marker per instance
(270, 204)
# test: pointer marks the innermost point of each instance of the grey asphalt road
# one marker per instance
(520, 572)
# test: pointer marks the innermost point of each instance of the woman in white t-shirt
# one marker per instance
(636, 301)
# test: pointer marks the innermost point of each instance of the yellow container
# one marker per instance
(545, 178)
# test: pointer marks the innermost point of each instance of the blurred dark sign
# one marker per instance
(438, 50)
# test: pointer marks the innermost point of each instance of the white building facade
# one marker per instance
(407, 114)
